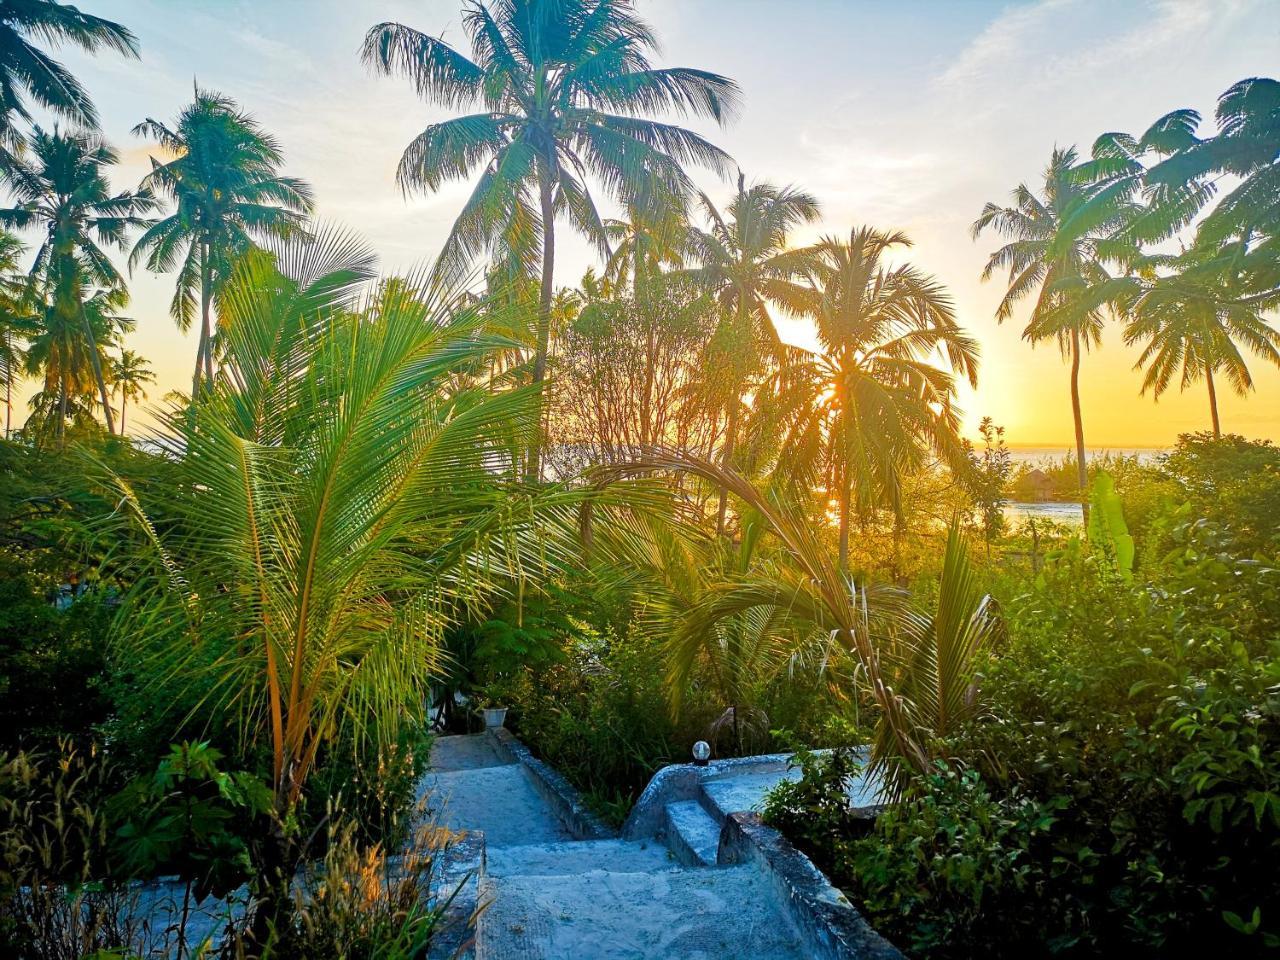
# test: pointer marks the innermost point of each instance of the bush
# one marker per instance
(53, 665)
(1120, 792)
(603, 718)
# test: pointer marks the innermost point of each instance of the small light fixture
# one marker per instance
(701, 753)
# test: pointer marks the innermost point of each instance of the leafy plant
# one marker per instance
(1108, 532)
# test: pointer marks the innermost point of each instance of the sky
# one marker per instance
(901, 115)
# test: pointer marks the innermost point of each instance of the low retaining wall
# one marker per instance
(461, 870)
(683, 781)
(832, 926)
(551, 785)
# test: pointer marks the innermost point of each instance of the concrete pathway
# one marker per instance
(550, 896)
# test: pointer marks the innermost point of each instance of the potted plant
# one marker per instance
(493, 701)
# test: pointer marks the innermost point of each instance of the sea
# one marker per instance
(1067, 514)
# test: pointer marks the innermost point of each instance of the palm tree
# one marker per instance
(743, 261)
(59, 352)
(29, 75)
(347, 492)
(811, 595)
(129, 373)
(880, 401)
(1246, 148)
(1193, 323)
(1060, 244)
(564, 85)
(62, 191)
(17, 322)
(223, 179)
(644, 244)
(934, 655)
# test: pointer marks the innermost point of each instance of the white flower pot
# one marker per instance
(495, 716)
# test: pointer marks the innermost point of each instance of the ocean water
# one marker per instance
(1068, 514)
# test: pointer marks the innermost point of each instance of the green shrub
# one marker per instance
(603, 718)
(53, 664)
(1119, 792)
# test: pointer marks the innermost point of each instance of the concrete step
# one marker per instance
(692, 834)
(744, 792)
(499, 801)
(579, 856)
(700, 914)
(465, 752)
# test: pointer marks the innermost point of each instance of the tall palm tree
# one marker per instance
(223, 178)
(883, 388)
(564, 86)
(644, 244)
(1245, 148)
(28, 75)
(17, 322)
(1061, 242)
(62, 191)
(1194, 322)
(129, 375)
(67, 360)
(743, 261)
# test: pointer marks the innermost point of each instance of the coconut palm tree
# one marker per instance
(222, 175)
(1060, 244)
(645, 244)
(743, 261)
(67, 360)
(882, 391)
(1246, 148)
(29, 76)
(564, 87)
(803, 592)
(1197, 322)
(62, 191)
(17, 322)
(347, 492)
(129, 374)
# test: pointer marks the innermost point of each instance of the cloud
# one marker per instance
(1010, 38)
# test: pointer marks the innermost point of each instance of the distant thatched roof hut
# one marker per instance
(1037, 484)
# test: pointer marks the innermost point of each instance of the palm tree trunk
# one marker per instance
(96, 362)
(206, 324)
(546, 194)
(203, 348)
(1082, 470)
(124, 402)
(8, 387)
(846, 496)
(726, 457)
(63, 399)
(1213, 404)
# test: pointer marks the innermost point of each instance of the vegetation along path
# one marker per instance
(550, 895)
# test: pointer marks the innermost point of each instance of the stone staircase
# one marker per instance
(547, 895)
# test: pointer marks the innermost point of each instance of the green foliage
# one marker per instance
(1232, 481)
(1121, 788)
(814, 811)
(1108, 532)
(53, 664)
(191, 819)
(952, 871)
(988, 478)
(602, 718)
